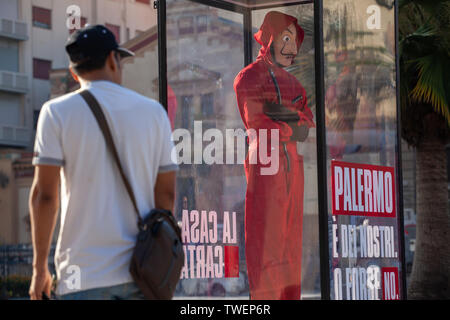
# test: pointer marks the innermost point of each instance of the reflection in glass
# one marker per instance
(361, 124)
(205, 52)
(274, 109)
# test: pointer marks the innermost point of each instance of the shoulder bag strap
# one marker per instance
(103, 124)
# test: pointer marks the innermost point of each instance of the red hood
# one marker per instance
(275, 23)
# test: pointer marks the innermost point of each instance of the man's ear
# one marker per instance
(112, 62)
(74, 75)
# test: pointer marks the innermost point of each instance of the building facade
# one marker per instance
(32, 38)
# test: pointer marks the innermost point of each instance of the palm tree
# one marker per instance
(424, 28)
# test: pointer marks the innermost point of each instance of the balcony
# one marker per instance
(14, 82)
(13, 29)
(14, 136)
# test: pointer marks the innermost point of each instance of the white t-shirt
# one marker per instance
(98, 223)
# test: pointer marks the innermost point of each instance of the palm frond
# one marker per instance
(425, 30)
(402, 3)
(432, 79)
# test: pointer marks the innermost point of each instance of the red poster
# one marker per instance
(363, 190)
(231, 261)
(389, 283)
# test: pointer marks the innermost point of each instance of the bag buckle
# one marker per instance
(142, 226)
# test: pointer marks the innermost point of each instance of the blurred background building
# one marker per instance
(32, 38)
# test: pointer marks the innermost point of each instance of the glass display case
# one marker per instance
(285, 123)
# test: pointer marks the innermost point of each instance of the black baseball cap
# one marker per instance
(93, 41)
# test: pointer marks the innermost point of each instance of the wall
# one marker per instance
(7, 206)
(140, 73)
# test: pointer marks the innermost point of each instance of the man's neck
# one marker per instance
(95, 76)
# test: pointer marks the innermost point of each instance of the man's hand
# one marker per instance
(41, 282)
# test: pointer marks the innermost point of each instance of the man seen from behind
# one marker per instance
(98, 224)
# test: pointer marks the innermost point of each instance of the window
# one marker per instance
(115, 30)
(10, 106)
(172, 28)
(41, 69)
(186, 25)
(42, 18)
(202, 23)
(186, 105)
(208, 104)
(9, 55)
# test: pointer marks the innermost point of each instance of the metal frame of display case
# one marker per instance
(325, 282)
(246, 11)
(399, 156)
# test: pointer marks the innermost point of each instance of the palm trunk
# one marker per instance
(431, 268)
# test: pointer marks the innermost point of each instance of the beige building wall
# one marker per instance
(131, 16)
(23, 229)
(140, 73)
(17, 171)
(8, 219)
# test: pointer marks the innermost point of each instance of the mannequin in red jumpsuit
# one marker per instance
(271, 98)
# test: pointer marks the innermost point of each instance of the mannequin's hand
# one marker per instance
(299, 132)
(278, 112)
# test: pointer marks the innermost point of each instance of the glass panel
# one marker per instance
(204, 54)
(140, 73)
(361, 127)
(292, 241)
(232, 232)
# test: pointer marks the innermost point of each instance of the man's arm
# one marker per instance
(43, 203)
(165, 191)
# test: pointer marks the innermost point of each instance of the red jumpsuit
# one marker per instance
(273, 203)
(172, 105)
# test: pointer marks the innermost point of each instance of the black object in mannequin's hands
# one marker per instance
(299, 133)
(278, 112)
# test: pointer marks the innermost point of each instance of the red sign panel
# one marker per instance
(231, 261)
(389, 283)
(363, 190)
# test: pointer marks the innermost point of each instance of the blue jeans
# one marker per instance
(127, 291)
